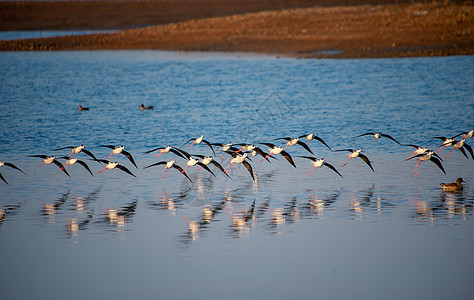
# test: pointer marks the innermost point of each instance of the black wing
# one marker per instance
(104, 161)
(156, 164)
(443, 138)
(218, 165)
(249, 168)
(366, 159)
(129, 156)
(60, 165)
(153, 150)
(434, 153)
(305, 146)
(284, 138)
(188, 142)
(181, 171)
(41, 156)
(308, 157)
(463, 152)
(206, 168)
(108, 146)
(288, 158)
(387, 136)
(70, 147)
(438, 163)
(182, 153)
(321, 141)
(411, 145)
(368, 133)
(3, 178)
(88, 153)
(469, 149)
(269, 145)
(263, 154)
(350, 150)
(178, 152)
(15, 167)
(332, 168)
(210, 146)
(125, 170)
(85, 166)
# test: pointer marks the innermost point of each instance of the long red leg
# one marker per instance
(266, 157)
(185, 169)
(230, 167)
(450, 152)
(158, 154)
(310, 170)
(41, 164)
(102, 170)
(166, 172)
(192, 144)
(350, 157)
(109, 155)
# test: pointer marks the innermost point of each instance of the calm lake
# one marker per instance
(381, 234)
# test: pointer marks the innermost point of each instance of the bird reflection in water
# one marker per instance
(241, 221)
(448, 205)
(315, 206)
(118, 218)
(9, 210)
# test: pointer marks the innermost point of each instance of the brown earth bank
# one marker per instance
(339, 29)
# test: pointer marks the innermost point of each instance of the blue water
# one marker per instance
(377, 235)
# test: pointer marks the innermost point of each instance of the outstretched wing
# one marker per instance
(125, 170)
(469, 149)
(218, 165)
(181, 153)
(368, 133)
(249, 168)
(269, 145)
(309, 157)
(387, 136)
(129, 156)
(40, 156)
(60, 165)
(284, 138)
(156, 164)
(15, 167)
(85, 166)
(88, 153)
(332, 168)
(108, 146)
(210, 146)
(70, 147)
(305, 146)
(321, 141)
(366, 159)
(350, 150)
(288, 158)
(181, 171)
(463, 152)
(188, 142)
(206, 168)
(3, 178)
(438, 163)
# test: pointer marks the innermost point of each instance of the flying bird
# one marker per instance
(461, 145)
(237, 159)
(312, 136)
(77, 150)
(112, 165)
(206, 160)
(294, 141)
(356, 153)
(378, 135)
(168, 165)
(424, 157)
(49, 160)
(72, 161)
(274, 150)
(167, 150)
(120, 150)
(319, 163)
(199, 140)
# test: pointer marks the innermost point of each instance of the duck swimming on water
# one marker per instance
(453, 186)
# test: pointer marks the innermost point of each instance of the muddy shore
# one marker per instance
(339, 29)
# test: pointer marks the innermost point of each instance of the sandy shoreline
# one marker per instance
(349, 31)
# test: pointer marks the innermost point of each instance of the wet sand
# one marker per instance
(338, 28)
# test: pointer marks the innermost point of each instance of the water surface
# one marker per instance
(382, 234)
